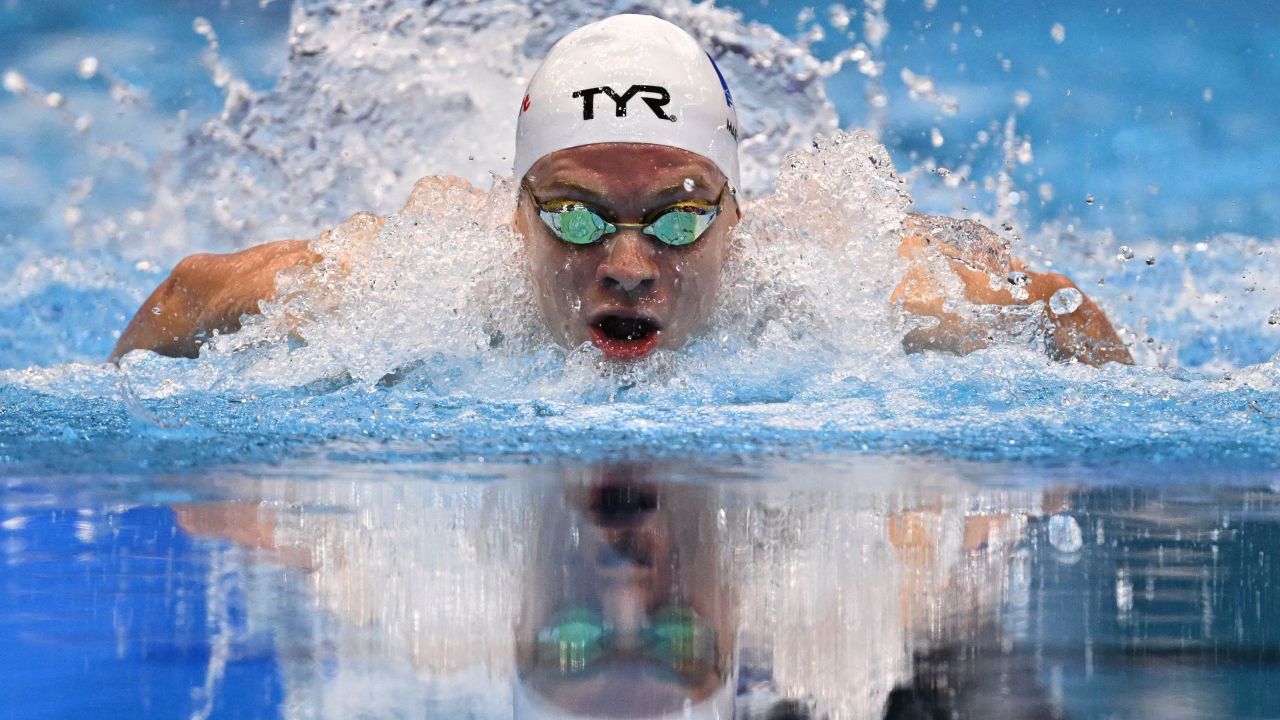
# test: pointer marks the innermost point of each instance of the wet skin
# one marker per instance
(626, 275)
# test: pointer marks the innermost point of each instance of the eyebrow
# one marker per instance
(664, 196)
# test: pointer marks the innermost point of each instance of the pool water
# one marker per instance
(832, 587)
(413, 503)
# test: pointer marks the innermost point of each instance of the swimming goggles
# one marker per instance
(579, 224)
(576, 639)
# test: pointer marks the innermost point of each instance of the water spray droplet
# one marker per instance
(1024, 153)
(935, 137)
(944, 171)
(1208, 94)
(1089, 200)
(54, 100)
(1274, 318)
(689, 184)
(1018, 280)
(1065, 301)
(1125, 254)
(155, 310)
(1058, 32)
(1151, 259)
(14, 82)
(839, 17)
(87, 68)
(1022, 99)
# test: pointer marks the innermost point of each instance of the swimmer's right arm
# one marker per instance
(207, 293)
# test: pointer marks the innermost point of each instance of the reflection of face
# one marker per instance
(628, 293)
(639, 554)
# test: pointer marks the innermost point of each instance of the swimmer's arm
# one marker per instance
(209, 292)
(214, 292)
(1085, 334)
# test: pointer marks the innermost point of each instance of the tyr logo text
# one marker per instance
(652, 95)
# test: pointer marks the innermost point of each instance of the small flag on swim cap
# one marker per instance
(634, 79)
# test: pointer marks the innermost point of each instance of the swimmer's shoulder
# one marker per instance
(966, 241)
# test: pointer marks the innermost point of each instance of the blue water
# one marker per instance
(390, 591)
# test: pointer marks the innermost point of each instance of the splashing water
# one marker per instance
(418, 335)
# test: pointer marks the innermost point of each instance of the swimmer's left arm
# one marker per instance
(1084, 334)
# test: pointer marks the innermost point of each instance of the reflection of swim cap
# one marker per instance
(628, 78)
(529, 706)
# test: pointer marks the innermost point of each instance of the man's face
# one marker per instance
(628, 293)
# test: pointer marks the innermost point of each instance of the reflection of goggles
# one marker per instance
(577, 638)
(579, 224)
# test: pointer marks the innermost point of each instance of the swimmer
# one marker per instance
(627, 162)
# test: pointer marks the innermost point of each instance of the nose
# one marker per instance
(629, 264)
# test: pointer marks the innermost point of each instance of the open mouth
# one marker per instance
(622, 505)
(623, 337)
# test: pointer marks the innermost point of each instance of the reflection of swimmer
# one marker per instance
(628, 169)
(616, 592)
(628, 611)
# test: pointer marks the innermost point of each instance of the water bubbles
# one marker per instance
(155, 310)
(1064, 534)
(935, 138)
(1022, 99)
(54, 100)
(944, 171)
(689, 184)
(1065, 301)
(202, 26)
(14, 82)
(1045, 191)
(1089, 199)
(1274, 318)
(1151, 260)
(87, 68)
(1125, 254)
(1058, 32)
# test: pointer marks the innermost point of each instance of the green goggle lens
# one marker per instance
(680, 227)
(580, 225)
(576, 224)
(681, 640)
(576, 638)
(573, 641)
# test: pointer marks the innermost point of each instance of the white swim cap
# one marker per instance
(628, 78)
